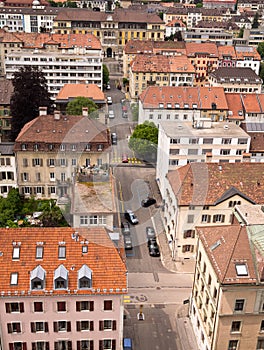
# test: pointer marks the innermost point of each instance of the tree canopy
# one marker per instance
(261, 49)
(105, 75)
(255, 23)
(144, 141)
(75, 106)
(30, 93)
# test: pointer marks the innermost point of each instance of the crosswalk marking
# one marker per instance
(127, 299)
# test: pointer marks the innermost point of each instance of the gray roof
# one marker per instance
(7, 148)
(247, 75)
(6, 91)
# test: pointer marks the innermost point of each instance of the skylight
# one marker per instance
(215, 245)
(16, 252)
(14, 278)
(241, 270)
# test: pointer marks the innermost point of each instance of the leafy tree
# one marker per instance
(199, 5)
(255, 23)
(261, 72)
(30, 92)
(144, 141)
(134, 110)
(261, 49)
(75, 106)
(51, 215)
(105, 75)
(241, 32)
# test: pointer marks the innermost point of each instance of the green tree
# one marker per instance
(199, 5)
(255, 23)
(241, 32)
(261, 72)
(144, 141)
(30, 92)
(51, 215)
(75, 106)
(261, 49)
(105, 75)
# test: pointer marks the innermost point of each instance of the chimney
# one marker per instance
(43, 110)
(56, 115)
(85, 112)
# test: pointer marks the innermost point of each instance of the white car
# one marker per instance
(109, 100)
(111, 114)
(131, 217)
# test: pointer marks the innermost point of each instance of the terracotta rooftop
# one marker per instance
(243, 52)
(224, 51)
(256, 132)
(228, 249)
(150, 46)
(235, 106)
(47, 129)
(251, 103)
(91, 91)
(210, 183)
(202, 96)
(210, 49)
(162, 64)
(102, 258)
(175, 21)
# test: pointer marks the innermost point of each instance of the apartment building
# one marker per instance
(251, 5)
(6, 90)
(63, 58)
(254, 36)
(226, 307)
(202, 34)
(226, 56)
(61, 288)
(180, 143)
(248, 57)
(147, 70)
(236, 80)
(213, 4)
(170, 103)
(202, 194)
(256, 133)
(173, 27)
(8, 177)
(113, 29)
(51, 149)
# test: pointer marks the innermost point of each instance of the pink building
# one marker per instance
(60, 290)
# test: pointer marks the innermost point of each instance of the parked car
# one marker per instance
(108, 87)
(124, 158)
(114, 138)
(127, 344)
(111, 114)
(131, 217)
(109, 100)
(128, 242)
(153, 249)
(150, 232)
(148, 202)
(125, 227)
(152, 241)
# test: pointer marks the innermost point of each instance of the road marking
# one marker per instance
(126, 299)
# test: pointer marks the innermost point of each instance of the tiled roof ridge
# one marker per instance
(26, 127)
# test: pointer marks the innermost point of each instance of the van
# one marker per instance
(127, 344)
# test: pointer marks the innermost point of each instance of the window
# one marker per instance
(37, 162)
(61, 306)
(74, 161)
(63, 345)
(16, 252)
(17, 346)
(107, 344)
(37, 278)
(235, 327)
(62, 252)
(38, 306)
(84, 306)
(40, 345)
(108, 305)
(14, 327)
(187, 248)
(206, 218)
(52, 176)
(226, 141)
(190, 219)
(239, 305)
(218, 218)
(62, 326)
(13, 278)
(189, 234)
(192, 151)
(62, 147)
(85, 345)
(225, 152)
(84, 326)
(232, 345)
(39, 252)
(262, 326)
(14, 307)
(242, 141)
(107, 324)
(51, 162)
(39, 327)
(207, 141)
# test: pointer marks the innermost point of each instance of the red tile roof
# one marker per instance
(91, 91)
(108, 269)
(227, 246)
(209, 49)
(226, 51)
(251, 103)
(207, 183)
(235, 106)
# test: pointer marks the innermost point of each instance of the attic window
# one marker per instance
(85, 249)
(186, 105)
(61, 278)
(13, 278)
(161, 105)
(241, 270)
(16, 252)
(194, 105)
(215, 245)
(62, 252)
(85, 277)
(177, 105)
(168, 105)
(39, 252)
(37, 278)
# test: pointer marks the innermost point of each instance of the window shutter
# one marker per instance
(33, 345)
(91, 325)
(184, 234)
(193, 234)
(78, 306)
(192, 247)
(41, 162)
(101, 325)
(78, 326)
(68, 326)
(55, 326)
(35, 190)
(8, 308)
(56, 345)
(114, 326)
(9, 328)
(24, 347)
(223, 218)
(214, 218)
(209, 218)
(30, 190)
(69, 345)
(91, 306)
(11, 346)
(19, 327)
(101, 345)
(48, 162)
(46, 327)
(22, 177)
(183, 248)
(47, 345)
(113, 344)
(33, 328)
(91, 343)
(43, 190)
(78, 345)
(49, 194)
(21, 307)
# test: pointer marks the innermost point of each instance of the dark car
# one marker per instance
(131, 217)
(153, 249)
(148, 202)
(125, 228)
(152, 241)
(128, 242)
(114, 138)
(150, 232)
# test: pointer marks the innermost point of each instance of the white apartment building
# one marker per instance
(248, 57)
(8, 177)
(181, 143)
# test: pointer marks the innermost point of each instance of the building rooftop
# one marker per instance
(71, 91)
(256, 133)
(211, 183)
(7, 148)
(235, 106)
(20, 256)
(210, 49)
(250, 214)
(226, 74)
(6, 91)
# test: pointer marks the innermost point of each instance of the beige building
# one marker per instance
(202, 194)
(148, 70)
(227, 301)
(52, 150)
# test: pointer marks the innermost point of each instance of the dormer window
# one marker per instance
(62, 147)
(161, 105)
(99, 147)
(177, 105)
(24, 146)
(74, 147)
(37, 278)
(85, 277)
(61, 278)
(36, 147)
